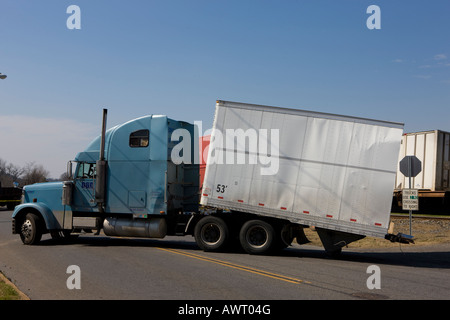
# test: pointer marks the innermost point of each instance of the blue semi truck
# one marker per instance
(125, 183)
(141, 179)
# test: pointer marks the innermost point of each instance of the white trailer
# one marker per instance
(333, 172)
(432, 148)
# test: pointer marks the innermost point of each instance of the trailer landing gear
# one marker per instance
(334, 241)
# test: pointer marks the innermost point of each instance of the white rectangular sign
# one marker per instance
(410, 199)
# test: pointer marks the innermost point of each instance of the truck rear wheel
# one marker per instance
(211, 233)
(257, 237)
(31, 230)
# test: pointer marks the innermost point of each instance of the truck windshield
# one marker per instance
(86, 171)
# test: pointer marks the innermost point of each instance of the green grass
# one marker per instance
(7, 292)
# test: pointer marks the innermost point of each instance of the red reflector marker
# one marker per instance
(261, 204)
(329, 216)
(307, 212)
(378, 224)
(240, 200)
(353, 220)
(205, 195)
(220, 197)
(283, 208)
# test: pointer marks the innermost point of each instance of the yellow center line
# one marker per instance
(238, 267)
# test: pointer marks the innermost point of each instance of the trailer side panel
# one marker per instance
(330, 171)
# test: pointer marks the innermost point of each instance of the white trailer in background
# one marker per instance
(333, 172)
(432, 148)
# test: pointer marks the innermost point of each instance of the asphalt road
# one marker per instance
(174, 268)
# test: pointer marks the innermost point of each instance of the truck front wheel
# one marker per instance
(30, 229)
(211, 233)
(257, 237)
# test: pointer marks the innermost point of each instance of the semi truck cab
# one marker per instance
(138, 188)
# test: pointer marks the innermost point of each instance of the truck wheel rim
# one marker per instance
(211, 233)
(27, 229)
(257, 236)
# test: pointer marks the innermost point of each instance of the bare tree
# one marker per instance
(64, 177)
(2, 167)
(33, 173)
(29, 174)
(5, 180)
(14, 171)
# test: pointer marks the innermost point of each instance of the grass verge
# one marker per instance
(8, 291)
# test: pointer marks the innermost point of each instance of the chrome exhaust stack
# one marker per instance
(101, 167)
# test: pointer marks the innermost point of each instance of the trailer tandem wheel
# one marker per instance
(257, 237)
(211, 234)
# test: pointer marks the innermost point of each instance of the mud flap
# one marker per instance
(301, 236)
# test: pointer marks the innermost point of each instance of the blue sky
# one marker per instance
(178, 57)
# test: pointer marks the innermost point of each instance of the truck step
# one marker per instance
(179, 228)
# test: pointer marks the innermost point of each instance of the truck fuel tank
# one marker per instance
(144, 228)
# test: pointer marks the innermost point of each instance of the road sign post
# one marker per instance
(410, 166)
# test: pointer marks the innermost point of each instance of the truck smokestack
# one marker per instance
(101, 167)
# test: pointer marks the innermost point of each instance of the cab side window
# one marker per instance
(86, 171)
(139, 139)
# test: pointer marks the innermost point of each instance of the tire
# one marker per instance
(31, 229)
(257, 237)
(211, 234)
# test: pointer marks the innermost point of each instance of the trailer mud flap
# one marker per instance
(301, 237)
